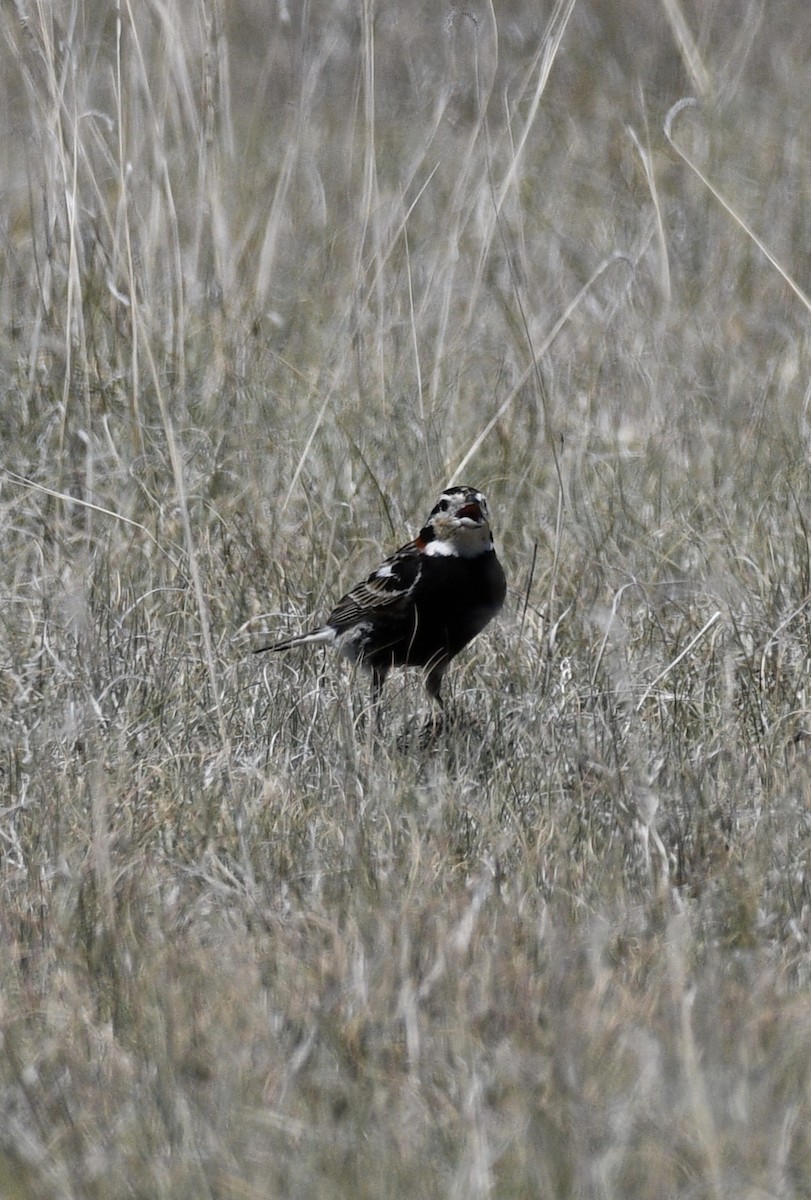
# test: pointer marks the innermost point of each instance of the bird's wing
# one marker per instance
(380, 595)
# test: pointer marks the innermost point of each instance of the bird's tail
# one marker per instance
(325, 634)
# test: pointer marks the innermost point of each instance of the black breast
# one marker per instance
(453, 600)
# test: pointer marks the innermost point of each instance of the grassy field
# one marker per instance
(271, 276)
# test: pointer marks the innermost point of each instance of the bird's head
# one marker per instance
(458, 525)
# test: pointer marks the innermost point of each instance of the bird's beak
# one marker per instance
(473, 512)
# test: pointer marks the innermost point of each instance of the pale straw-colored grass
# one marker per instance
(271, 275)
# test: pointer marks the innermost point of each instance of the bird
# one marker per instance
(424, 603)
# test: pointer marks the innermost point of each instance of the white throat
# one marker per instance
(466, 543)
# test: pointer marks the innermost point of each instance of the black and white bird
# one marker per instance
(424, 603)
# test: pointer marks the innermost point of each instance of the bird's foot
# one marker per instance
(432, 728)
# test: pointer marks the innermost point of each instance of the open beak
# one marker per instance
(472, 512)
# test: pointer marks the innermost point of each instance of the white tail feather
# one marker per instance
(325, 634)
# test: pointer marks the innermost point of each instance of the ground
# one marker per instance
(272, 276)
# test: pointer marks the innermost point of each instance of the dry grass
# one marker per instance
(267, 282)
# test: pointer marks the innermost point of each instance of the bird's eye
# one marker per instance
(443, 505)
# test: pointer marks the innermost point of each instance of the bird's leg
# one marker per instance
(378, 679)
(433, 683)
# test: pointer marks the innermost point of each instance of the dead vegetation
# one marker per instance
(270, 276)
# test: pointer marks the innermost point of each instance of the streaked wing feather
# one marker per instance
(381, 593)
